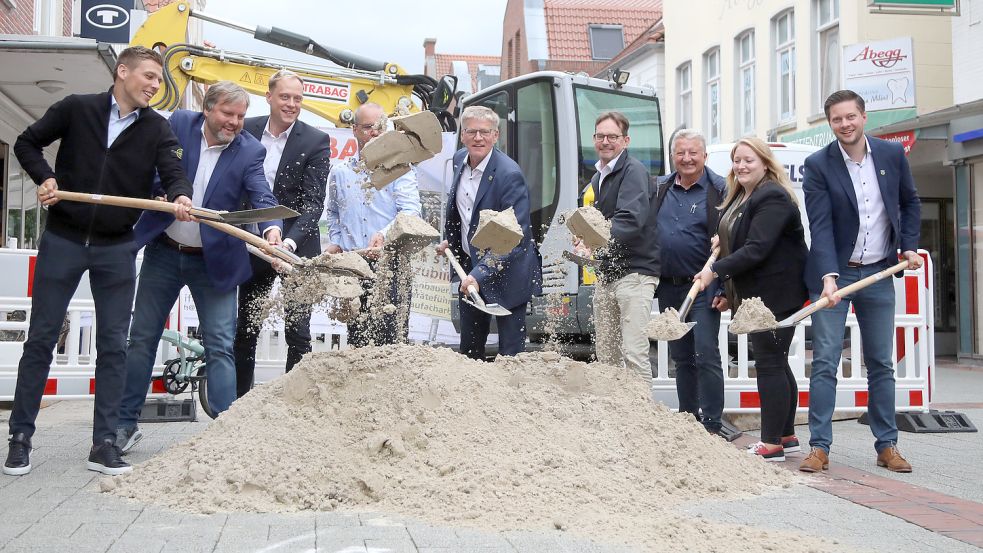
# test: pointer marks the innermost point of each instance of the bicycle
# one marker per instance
(186, 369)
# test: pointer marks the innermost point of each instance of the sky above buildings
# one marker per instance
(384, 30)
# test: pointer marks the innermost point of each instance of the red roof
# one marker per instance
(444, 64)
(568, 21)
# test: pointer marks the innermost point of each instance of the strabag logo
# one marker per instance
(327, 90)
(107, 16)
(880, 58)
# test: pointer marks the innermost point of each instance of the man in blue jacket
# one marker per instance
(111, 143)
(226, 165)
(686, 206)
(485, 178)
(862, 206)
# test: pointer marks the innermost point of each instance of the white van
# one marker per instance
(792, 156)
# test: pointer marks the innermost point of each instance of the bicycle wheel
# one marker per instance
(203, 391)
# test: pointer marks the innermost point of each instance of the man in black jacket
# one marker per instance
(686, 203)
(111, 143)
(629, 271)
(297, 163)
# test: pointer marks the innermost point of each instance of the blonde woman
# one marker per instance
(762, 254)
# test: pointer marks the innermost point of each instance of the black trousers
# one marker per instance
(372, 325)
(297, 327)
(112, 278)
(476, 324)
(776, 385)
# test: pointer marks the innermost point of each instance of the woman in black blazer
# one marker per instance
(762, 254)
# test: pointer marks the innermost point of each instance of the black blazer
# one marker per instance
(625, 199)
(768, 250)
(300, 181)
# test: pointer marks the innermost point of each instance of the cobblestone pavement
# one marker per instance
(58, 507)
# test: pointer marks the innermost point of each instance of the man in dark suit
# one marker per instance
(227, 165)
(485, 178)
(862, 206)
(629, 270)
(298, 159)
(111, 143)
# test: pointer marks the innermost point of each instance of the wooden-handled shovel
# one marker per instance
(822, 303)
(203, 214)
(472, 297)
(695, 289)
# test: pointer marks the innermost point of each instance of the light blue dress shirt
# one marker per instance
(118, 124)
(356, 213)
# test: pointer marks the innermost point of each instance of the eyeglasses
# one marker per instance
(479, 132)
(367, 127)
(608, 137)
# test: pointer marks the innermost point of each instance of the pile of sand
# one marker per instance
(666, 326)
(589, 225)
(752, 316)
(534, 442)
(498, 231)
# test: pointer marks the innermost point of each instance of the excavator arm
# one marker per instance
(331, 91)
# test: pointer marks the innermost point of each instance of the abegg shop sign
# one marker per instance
(882, 72)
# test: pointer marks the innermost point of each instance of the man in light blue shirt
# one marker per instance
(358, 218)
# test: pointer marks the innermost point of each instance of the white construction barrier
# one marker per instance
(914, 357)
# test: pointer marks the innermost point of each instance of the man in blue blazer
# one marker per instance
(485, 178)
(225, 165)
(862, 206)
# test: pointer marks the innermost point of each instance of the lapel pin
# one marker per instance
(883, 172)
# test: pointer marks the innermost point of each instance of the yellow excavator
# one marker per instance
(333, 92)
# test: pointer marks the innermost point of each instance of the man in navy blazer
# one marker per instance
(225, 165)
(485, 178)
(298, 158)
(862, 206)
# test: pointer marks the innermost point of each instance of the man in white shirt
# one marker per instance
(862, 206)
(298, 159)
(358, 219)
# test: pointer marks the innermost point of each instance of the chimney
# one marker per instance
(430, 57)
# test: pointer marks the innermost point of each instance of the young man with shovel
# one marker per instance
(862, 206)
(111, 143)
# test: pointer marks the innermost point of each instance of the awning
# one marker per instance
(932, 119)
(36, 72)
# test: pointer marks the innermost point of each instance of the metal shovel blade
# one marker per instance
(262, 215)
(678, 335)
(474, 300)
(580, 260)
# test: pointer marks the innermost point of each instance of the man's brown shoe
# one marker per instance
(891, 459)
(817, 461)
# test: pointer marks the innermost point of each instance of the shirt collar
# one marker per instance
(204, 142)
(698, 183)
(610, 165)
(285, 134)
(846, 156)
(114, 109)
(483, 164)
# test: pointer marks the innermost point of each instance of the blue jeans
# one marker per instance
(164, 272)
(112, 275)
(874, 307)
(699, 376)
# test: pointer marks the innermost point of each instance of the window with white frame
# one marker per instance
(744, 48)
(606, 41)
(784, 40)
(47, 17)
(684, 87)
(711, 99)
(827, 43)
